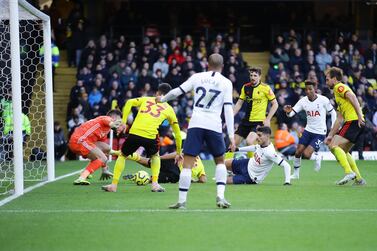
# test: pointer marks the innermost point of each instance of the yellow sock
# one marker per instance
(353, 166)
(115, 152)
(120, 164)
(341, 157)
(229, 155)
(250, 155)
(135, 157)
(155, 167)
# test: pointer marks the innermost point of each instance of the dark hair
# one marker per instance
(114, 112)
(335, 72)
(264, 130)
(164, 88)
(310, 82)
(258, 70)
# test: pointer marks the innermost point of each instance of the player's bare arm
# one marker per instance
(274, 108)
(335, 128)
(238, 106)
(355, 103)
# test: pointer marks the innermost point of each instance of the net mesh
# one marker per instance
(33, 101)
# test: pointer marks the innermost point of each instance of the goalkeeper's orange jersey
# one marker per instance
(149, 117)
(93, 130)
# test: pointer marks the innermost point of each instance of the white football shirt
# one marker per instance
(211, 91)
(315, 113)
(261, 164)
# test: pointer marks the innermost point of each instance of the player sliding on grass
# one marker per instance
(316, 107)
(144, 132)
(254, 170)
(88, 140)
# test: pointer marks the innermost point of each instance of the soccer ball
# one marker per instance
(142, 178)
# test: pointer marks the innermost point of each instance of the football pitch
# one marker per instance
(312, 214)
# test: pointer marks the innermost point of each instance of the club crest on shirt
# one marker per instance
(340, 89)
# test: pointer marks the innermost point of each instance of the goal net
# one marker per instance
(25, 97)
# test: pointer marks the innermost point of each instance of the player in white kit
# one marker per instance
(316, 108)
(212, 92)
(254, 170)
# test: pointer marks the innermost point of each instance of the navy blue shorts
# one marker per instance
(312, 139)
(239, 168)
(197, 136)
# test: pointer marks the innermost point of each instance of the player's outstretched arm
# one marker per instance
(128, 106)
(251, 148)
(173, 94)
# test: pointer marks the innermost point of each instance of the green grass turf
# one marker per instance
(60, 216)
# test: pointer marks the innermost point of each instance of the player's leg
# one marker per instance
(184, 181)
(105, 148)
(152, 150)
(129, 146)
(311, 152)
(216, 146)
(191, 149)
(359, 179)
(297, 161)
(341, 157)
(98, 159)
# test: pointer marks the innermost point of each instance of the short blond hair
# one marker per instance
(215, 60)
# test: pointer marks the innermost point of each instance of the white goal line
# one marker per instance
(28, 189)
(267, 210)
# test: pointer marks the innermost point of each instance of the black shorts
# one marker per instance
(246, 127)
(133, 142)
(351, 131)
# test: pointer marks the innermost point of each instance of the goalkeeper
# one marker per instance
(88, 140)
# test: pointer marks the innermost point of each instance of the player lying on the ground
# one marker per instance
(255, 170)
(316, 108)
(88, 140)
(170, 170)
(144, 132)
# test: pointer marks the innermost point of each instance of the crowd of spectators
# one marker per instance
(112, 71)
(295, 58)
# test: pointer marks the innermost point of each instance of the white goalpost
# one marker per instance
(26, 97)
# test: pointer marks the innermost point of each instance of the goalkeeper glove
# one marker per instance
(106, 174)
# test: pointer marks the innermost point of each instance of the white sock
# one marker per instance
(184, 184)
(221, 175)
(315, 156)
(296, 162)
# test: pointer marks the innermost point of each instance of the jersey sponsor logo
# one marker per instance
(313, 113)
(257, 158)
(340, 89)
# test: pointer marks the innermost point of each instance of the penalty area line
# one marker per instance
(31, 188)
(266, 210)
